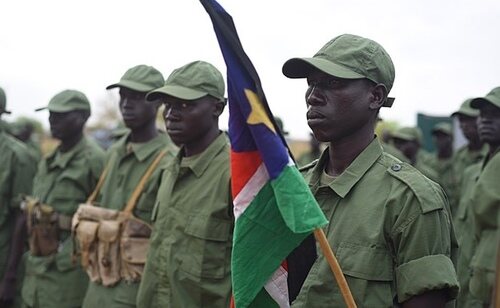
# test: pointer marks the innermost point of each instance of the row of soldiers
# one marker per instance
(150, 222)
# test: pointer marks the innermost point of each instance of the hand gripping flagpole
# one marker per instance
(335, 267)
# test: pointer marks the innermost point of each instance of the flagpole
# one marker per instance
(335, 267)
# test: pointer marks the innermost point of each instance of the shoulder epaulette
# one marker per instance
(428, 193)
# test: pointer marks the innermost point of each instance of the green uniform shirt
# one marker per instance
(63, 181)
(17, 169)
(389, 228)
(127, 164)
(447, 178)
(390, 149)
(464, 228)
(464, 157)
(485, 210)
(188, 262)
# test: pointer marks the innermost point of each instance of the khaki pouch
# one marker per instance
(134, 244)
(86, 234)
(44, 240)
(107, 252)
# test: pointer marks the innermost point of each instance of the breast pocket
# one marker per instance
(67, 195)
(208, 247)
(369, 273)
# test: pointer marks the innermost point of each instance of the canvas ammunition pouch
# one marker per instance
(112, 244)
(44, 225)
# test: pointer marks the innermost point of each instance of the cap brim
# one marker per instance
(303, 67)
(402, 136)
(479, 102)
(176, 91)
(40, 109)
(465, 113)
(5, 111)
(132, 85)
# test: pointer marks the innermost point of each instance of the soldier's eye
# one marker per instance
(184, 105)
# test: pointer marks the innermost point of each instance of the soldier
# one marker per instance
(127, 162)
(475, 149)
(486, 200)
(442, 162)
(23, 129)
(408, 140)
(389, 225)
(64, 180)
(188, 263)
(17, 169)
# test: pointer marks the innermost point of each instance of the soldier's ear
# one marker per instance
(378, 94)
(218, 108)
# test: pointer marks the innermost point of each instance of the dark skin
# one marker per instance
(68, 128)
(194, 124)
(344, 113)
(444, 144)
(488, 125)
(139, 115)
(408, 147)
(468, 125)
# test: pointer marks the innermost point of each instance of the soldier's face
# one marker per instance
(408, 148)
(187, 122)
(336, 108)
(468, 125)
(135, 109)
(63, 125)
(442, 141)
(488, 124)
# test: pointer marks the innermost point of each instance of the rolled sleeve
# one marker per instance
(435, 272)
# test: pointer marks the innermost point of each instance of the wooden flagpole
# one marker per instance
(335, 267)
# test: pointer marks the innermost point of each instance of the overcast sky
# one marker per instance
(443, 51)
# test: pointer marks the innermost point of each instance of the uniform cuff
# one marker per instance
(428, 273)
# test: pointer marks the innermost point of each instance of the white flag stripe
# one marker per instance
(277, 287)
(251, 189)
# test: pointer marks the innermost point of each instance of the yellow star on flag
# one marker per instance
(258, 115)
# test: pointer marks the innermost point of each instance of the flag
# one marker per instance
(273, 206)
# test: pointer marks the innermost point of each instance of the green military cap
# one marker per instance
(408, 134)
(68, 100)
(466, 109)
(443, 127)
(140, 78)
(3, 102)
(192, 81)
(350, 57)
(493, 98)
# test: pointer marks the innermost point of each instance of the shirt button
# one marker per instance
(396, 167)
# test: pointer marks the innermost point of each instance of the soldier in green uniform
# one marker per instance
(23, 129)
(442, 162)
(64, 180)
(17, 169)
(474, 151)
(188, 263)
(127, 161)
(389, 224)
(486, 200)
(408, 140)
(464, 229)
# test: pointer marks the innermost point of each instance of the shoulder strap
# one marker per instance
(100, 182)
(138, 190)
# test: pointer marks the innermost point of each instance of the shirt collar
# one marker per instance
(143, 150)
(203, 160)
(60, 159)
(346, 181)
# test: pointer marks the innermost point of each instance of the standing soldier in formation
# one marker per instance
(17, 169)
(389, 224)
(475, 150)
(486, 201)
(127, 162)
(64, 180)
(23, 130)
(188, 262)
(442, 162)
